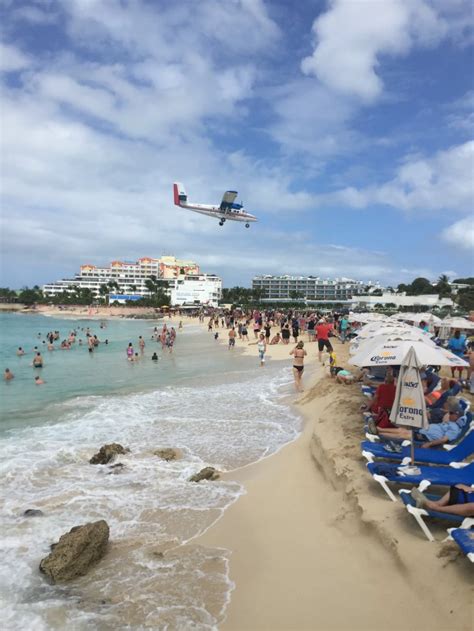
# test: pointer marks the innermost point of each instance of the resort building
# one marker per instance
(125, 280)
(402, 300)
(309, 288)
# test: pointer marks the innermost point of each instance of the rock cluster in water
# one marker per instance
(76, 551)
(167, 453)
(208, 473)
(107, 453)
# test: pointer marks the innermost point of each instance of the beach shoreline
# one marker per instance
(313, 525)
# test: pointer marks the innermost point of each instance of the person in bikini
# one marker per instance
(298, 364)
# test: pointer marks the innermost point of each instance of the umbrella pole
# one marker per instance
(412, 447)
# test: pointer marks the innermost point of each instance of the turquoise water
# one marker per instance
(106, 371)
(217, 406)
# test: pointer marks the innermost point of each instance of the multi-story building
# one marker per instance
(311, 288)
(181, 279)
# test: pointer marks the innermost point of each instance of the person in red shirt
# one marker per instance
(384, 395)
(322, 333)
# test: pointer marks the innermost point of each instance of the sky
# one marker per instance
(346, 126)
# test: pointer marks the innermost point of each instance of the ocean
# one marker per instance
(217, 406)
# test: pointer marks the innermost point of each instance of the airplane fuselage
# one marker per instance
(233, 214)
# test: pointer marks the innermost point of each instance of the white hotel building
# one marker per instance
(311, 288)
(181, 279)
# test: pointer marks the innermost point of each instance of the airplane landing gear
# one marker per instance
(247, 225)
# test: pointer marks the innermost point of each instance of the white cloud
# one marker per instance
(13, 59)
(351, 37)
(461, 234)
(441, 182)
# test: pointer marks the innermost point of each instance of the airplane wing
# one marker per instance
(227, 200)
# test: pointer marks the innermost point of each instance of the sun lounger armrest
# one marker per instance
(368, 456)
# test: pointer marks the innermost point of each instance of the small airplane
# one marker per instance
(226, 210)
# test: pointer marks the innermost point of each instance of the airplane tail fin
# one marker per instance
(179, 194)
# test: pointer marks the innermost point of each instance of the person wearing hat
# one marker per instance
(323, 330)
(436, 434)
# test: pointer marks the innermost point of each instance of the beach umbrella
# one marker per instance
(404, 336)
(427, 317)
(458, 323)
(393, 353)
(409, 407)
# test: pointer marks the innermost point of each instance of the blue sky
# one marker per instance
(345, 125)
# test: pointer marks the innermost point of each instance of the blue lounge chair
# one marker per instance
(384, 472)
(469, 425)
(419, 513)
(460, 452)
(464, 537)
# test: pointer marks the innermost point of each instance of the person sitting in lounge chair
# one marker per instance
(459, 500)
(436, 434)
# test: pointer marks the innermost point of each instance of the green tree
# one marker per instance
(7, 295)
(29, 296)
(420, 286)
(443, 287)
(465, 299)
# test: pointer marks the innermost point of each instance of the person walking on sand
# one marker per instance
(298, 364)
(322, 333)
(231, 338)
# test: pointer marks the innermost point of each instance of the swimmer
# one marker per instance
(80, 342)
(38, 361)
(8, 375)
(50, 346)
(216, 335)
(20, 351)
(38, 381)
(154, 357)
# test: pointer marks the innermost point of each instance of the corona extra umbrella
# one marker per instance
(409, 408)
(393, 353)
(404, 336)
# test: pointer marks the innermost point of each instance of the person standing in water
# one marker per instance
(262, 349)
(38, 361)
(8, 375)
(130, 351)
(141, 344)
(298, 364)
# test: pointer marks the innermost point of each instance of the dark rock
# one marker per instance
(167, 454)
(33, 512)
(208, 473)
(116, 468)
(107, 453)
(76, 551)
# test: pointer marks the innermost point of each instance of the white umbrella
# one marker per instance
(409, 407)
(393, 353)
(369, 344)
(390, 330)
(458, 323)
(427, 317)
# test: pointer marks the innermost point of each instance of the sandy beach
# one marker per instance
(316, 544)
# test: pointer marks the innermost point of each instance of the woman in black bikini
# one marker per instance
(298, 364)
